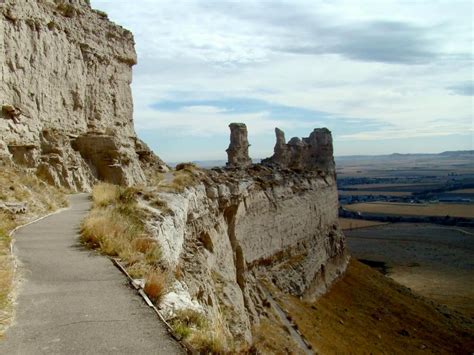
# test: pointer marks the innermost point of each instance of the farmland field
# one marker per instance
(397, 187)
(349, 223)
(406, 209)
(463, 191)
(434, 261)
(373, 193)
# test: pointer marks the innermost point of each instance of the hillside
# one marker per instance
(366, 312)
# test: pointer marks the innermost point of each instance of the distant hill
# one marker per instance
(469, 154)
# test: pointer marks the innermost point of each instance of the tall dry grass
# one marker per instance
(155, 285)
(207, 335)
(115, 226)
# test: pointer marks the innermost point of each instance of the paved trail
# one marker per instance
(73, 301)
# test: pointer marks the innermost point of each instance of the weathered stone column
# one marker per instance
(238, 151)
(322, 154)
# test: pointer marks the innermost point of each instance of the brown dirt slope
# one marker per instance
(366, 312)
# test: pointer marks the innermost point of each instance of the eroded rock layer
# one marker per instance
(238, 227)
(66, 104)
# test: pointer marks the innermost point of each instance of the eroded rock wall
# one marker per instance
(66, 104)
(238, 227)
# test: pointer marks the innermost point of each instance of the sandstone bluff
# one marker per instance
(248, 222)
(66, 115)
(66, 104)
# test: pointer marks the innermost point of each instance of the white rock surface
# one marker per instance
(223, 236)
(178, 299)
(65, 98)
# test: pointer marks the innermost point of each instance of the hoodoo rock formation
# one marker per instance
(312, 153)
(238, 151)
(65, 98)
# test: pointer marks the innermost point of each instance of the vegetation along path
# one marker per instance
(73, 301)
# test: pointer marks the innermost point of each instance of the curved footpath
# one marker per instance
(73, 301)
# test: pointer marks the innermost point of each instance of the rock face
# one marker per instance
(312, 153)
(65, 95)
(241, 226)
(238, 151)
(260, 222)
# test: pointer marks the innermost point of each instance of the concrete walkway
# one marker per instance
(73, 301)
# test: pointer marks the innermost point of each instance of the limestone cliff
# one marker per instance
(66, 104)
(237, 227)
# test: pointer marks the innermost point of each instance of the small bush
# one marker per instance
(155, 285)
(66, 10)
(186, 166)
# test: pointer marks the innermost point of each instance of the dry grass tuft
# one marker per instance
(209, 341)
(206, 336)
(155, 285)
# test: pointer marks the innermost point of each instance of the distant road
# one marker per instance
(73, 301)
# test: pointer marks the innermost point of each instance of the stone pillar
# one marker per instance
(322, 155)
(238, 151)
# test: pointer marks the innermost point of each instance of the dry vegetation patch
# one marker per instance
(365, 312)
(155, 285)
(185, 175)
(115, 226)
(21, 187)
(207, 335)
(272, 337)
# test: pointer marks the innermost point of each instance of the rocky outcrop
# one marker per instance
(240, 226)
(238, 151)
(65, 95)
(312, 153)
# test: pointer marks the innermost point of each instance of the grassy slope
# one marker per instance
(365, 312)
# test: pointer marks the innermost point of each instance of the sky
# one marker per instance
(384, 76)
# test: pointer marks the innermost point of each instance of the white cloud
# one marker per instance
(402, 64)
